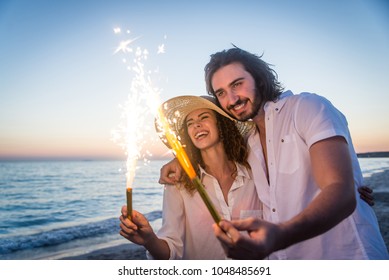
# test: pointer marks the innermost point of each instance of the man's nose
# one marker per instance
(232, 97)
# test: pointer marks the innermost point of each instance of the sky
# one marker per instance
(62, 84)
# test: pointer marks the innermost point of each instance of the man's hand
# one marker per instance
(262, 239)
(366, 194)
(170, 173)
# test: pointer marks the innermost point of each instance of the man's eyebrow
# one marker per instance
(230, 84)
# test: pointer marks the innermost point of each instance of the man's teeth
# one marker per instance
(239, 106)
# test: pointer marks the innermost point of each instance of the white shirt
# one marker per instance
(293, 124)
(187, 223)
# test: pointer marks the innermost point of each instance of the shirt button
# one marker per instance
(276, 109)
(274, 209)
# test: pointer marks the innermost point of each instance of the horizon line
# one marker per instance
(75, 158)
(123, 158)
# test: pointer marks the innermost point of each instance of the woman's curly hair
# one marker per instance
(233, 142)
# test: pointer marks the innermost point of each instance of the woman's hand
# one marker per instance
(137, 230)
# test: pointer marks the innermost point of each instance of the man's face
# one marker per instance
(234, 87)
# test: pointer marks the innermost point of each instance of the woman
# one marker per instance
(217, 149)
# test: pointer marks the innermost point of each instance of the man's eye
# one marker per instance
(236, 85)
(189, 124)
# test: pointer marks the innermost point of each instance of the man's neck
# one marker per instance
(259, 120)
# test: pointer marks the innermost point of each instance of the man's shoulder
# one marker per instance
(303, 94)
(304, 97)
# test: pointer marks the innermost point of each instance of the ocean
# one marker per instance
(55, 209)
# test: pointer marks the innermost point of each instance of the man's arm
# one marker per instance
(332, 169)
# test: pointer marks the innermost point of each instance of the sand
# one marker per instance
(381, 199)
(127, 251)
(131, 251)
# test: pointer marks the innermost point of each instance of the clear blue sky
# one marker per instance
(61, 84)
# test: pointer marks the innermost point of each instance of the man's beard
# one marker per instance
(257, 104)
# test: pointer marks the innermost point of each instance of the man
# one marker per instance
(304, 167)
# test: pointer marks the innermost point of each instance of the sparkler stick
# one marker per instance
(184, 161)
(129, 202)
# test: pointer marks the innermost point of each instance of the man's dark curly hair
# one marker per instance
(266, 80)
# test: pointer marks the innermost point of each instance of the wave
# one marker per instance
(64, 235)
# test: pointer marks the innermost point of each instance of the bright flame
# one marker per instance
(138, 110)
(176, 146)
(182, 157)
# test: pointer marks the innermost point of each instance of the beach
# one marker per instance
(128, 251)
(380, 181)
(131, 251)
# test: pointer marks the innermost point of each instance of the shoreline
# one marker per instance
(127, 251)
(130, 251)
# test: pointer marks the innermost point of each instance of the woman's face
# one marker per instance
(202, 128)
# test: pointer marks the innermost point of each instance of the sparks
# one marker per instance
(161, 49)
(123, 46)
(138, 110)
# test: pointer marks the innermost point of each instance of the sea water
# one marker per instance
(53, 209)
(50, 207)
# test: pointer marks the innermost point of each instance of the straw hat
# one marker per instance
(178, 108)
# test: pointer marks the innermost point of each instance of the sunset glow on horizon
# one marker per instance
(63, 78)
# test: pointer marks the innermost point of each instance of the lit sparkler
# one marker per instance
(138, 107)
(184, 161)
(143, 99)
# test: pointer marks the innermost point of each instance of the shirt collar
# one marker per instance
(242, 172)
(279, 103)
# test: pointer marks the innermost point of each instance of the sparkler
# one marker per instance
(184, 161)
(139, 105)
(143, 99)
